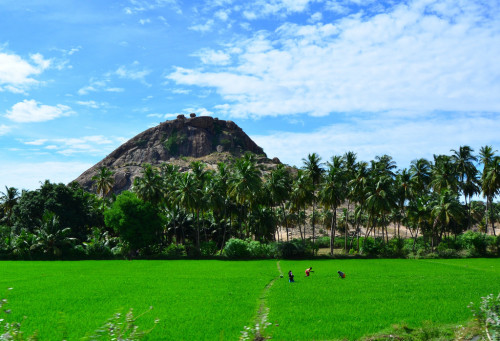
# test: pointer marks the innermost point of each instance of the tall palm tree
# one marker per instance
(350, 167)
(187, 194)
(445, 208)
(301, 195)
(8, 200)
(444, 174)
(312, 166)
(487, 156)
(380, 201)
(402, 193)
(104, 181)
(279, 185)
(333, 193)
(467, 174)
(245, 185)
(149, 186)
(420, 171)
(491, 187)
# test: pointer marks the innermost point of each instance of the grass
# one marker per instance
(194, 300)
(213, 300)
(375, 295)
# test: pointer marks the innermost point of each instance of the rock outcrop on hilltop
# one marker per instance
(179, 141)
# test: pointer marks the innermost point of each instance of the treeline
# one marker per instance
(173, 214)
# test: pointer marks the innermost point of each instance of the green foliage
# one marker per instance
(173, 142)
(74, 208)
(236, 249)
(137, 222)
(475, 242)
(208, 249)
(488, 315)
(174, 251)
(294, 249)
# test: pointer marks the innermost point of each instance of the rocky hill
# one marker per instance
(179, 141)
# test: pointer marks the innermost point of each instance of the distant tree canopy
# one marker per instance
(74, 207)
(136, 221)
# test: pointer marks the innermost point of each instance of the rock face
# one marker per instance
(182, 138)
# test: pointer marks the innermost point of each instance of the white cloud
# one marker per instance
(4, 129)
(207, 26)
(32, 111)
(418, 56)
(16, 74)
(91, 104)
(401, 137)
(29, 176)
(133, 72)
(209, 56)
(137, 6)
(38, 142)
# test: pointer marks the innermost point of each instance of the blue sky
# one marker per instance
(409, 79)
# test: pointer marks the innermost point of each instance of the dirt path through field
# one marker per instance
(260, 321)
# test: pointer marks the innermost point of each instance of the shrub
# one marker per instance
(474, 242)
(236, 249)
(208, 249)
(294, 249)
(261, 250)
(174, 251)
(373, 247)
(488, 315)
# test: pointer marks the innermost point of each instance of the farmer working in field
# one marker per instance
(290, 276)
(309, 270)
(341, 274)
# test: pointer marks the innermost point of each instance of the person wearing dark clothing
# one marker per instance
(290, 276)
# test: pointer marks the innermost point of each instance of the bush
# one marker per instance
(294, 249)
(174, 251)
(208, 249)
(475, 242)
(373, 247)
(261, 250)
(236, 249)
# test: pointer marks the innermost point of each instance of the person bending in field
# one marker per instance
(290, 276)
(308, 271)
(341, 274)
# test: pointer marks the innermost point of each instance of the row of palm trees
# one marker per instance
(342, 194)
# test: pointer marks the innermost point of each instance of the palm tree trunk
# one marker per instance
(286, 221)
(332, 229)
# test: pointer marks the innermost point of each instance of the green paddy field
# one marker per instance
(214, 300)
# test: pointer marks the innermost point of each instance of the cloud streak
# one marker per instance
(32, 111)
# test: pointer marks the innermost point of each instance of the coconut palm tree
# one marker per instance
(420, 172)
(487, 155)
(333, 193)
(278, 186)
(445, 208)
(8, 200)
(491, 187)
(301, 195)
(444, 174)
(187, 195)
(314, 170)
(402, 193)
(467, 174)
(104, 181)
(149, 186)
(245, 185)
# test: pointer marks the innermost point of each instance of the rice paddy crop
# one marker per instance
(375, 295)
(214, 300)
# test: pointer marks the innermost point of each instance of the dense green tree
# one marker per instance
(137, 222)
(74, 208)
